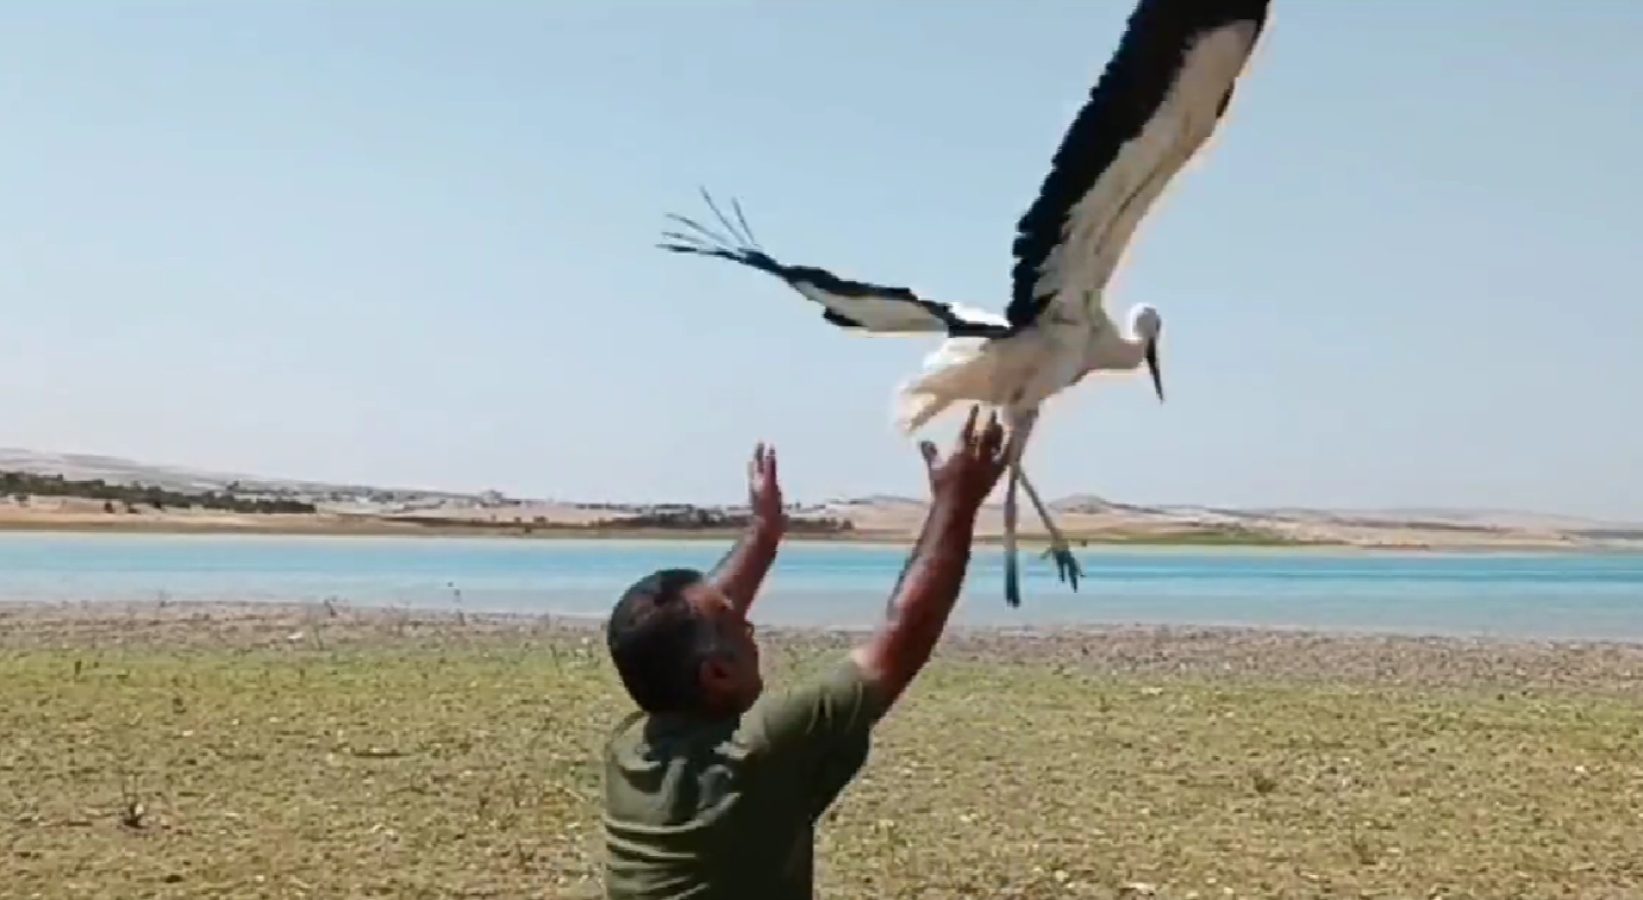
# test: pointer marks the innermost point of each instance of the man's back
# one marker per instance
(704, 809)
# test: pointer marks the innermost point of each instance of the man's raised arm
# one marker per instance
(924, 596)
(820, 733)
(742, 571)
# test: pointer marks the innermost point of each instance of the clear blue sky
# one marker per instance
(411, 243)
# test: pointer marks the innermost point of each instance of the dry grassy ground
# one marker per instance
(187, 752)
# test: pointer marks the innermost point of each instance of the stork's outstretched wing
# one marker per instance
(873, 308)
(1159, 99)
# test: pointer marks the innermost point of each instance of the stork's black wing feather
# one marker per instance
(857, 305)
(1159, 98)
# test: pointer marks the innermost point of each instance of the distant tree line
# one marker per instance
(672, 518)
(690, 518)
(24, 484)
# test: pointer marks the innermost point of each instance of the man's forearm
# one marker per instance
(930, 583)
(744, 568)
(922, 601)
(921, 547)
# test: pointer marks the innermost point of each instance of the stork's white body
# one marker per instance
(1015, 374)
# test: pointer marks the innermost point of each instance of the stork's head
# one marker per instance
(1147, 325)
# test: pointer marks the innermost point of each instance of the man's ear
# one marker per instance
(714, 670)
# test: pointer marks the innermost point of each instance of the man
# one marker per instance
(712, 791)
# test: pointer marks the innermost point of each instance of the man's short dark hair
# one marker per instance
(658, 639)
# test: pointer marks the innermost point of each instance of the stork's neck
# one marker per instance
(1118, 350)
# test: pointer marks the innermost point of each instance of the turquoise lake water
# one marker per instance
(1507, 595)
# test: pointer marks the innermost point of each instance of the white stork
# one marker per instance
(1159, 99)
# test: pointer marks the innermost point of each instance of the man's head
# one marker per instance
(681, 647)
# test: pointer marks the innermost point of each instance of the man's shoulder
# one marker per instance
(840, 700)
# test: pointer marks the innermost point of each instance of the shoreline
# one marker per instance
(302, 526)
(1170, 652)
(275, 525)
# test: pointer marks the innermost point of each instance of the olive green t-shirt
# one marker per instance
(711, 809)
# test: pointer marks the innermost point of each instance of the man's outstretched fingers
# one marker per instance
(992, 439)
(964, 434)
(967, 440)
(1004, 452)
(983, 438)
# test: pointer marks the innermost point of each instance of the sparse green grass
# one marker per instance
(469, 770)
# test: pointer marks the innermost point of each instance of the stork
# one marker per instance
(1157, 102)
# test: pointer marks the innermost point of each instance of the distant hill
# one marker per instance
(1085, 514)
(119, 470)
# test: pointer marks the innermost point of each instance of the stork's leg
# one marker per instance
(1061, 551)
(1012, 565)
(1021, 427)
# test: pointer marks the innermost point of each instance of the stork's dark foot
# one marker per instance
(1066, 565)
(1012, 582)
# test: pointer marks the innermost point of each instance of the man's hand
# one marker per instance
(744, 568)
(968, 475)
(764, 491)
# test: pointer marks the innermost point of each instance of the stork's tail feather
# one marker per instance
(914, 408)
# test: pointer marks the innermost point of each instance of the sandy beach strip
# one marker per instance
(873, 524)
